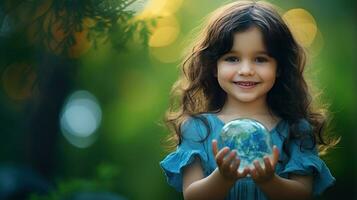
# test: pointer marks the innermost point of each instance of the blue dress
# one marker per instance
(302, 162)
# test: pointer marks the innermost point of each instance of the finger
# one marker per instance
(234, 165)
(214, 147)
(238, 162)
(221, 154)
(267, 164)
(244, 173)
(275, 156)
(253, 173)
(227, 161)
(258, 168)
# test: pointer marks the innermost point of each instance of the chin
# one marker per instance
(246, 99)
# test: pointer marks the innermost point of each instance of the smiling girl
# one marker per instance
(245, 64)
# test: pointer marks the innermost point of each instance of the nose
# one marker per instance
(246, 69)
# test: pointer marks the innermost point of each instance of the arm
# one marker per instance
(218, 183)
(195, 186)
(275, 187)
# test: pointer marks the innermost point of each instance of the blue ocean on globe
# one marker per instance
(250, 138)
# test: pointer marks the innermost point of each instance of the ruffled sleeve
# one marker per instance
(190, 148)
(304, 160)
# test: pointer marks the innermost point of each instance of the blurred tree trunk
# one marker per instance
(55, 80)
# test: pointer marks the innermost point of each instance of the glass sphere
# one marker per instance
(250, 138)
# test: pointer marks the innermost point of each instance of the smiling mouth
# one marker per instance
(246, 84)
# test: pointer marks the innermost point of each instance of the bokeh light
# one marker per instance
(166, 32)
(170, 53)
(316, 47)
(165, 40)
(302, 24)
(163, 36)
(18, 80)
(80, 118)
(160, 8)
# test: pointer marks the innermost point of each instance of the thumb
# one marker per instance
(214, 147)
(275, 155)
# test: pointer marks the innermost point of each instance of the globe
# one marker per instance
(250, 138)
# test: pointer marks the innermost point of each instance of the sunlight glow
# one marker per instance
(302, 24)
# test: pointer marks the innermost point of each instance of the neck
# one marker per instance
(234, 108)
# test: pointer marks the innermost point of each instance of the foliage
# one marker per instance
(103, 180)
(65, 27)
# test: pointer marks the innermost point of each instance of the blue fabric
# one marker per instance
(301, 159)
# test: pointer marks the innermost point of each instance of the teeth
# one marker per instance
(246, 83)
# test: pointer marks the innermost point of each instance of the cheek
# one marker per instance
(269, 79)
(269, 74)
(225, 72)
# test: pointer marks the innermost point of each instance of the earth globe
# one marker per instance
(249, 138)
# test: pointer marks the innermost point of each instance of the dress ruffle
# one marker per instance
(311, 165)
(176, 161)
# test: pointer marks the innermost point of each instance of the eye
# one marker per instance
(232, 59)
(261, 59)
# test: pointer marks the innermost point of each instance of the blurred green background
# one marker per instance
(85, 85)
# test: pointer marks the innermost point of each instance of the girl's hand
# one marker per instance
(261, 175)
(228, 163)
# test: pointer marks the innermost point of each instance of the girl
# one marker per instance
(246, 63)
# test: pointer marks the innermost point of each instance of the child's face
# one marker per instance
(247, 72)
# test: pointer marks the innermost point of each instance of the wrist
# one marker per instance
(222, 179)
(272, 179)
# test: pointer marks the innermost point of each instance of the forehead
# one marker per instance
(249, 41)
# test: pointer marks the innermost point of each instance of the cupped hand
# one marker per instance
(228, 163)
(260, 174)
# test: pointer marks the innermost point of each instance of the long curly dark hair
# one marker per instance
(197, 90)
